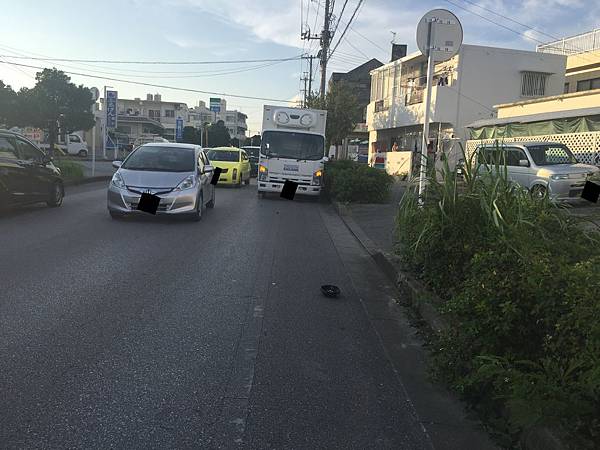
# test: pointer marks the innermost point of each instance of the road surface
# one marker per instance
(156, 333)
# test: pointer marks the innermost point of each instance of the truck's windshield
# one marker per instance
(292, 145)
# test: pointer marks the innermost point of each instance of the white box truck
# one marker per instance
(292, 148)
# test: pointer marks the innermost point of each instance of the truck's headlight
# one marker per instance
(560, 176)
(188, 183)
(317, 177)
(117, 180)
(263, 172)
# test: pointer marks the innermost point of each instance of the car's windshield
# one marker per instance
(292, 145)
(161, 159)
(224, 155)
(551, 154)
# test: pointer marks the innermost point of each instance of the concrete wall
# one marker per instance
(489, 76)
(566, 102)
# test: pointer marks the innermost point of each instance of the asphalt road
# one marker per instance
(156, 333)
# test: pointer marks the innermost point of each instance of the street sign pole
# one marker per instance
(94, 148)
(104, 125)
(439, 37)
(425, 140)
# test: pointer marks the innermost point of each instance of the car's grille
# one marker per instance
(154, 190)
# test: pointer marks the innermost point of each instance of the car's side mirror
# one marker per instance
(208, 169)
(46, 159)
(117, 164)
(524, 162)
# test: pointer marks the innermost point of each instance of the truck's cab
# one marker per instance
(292, 148)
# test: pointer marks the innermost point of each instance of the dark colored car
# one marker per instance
(27, 174)
(253, 157)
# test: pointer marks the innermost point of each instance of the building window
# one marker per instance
(169, 113)
(566, 90)
(586, 85)
(533, 84)
(154, 113)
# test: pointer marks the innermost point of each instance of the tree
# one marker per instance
(235, 142)
(8, 105)
(343, 112)
(218, 135)
(191, 135)
(253, 141)
(55, 101)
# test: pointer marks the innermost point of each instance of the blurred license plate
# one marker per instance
(290, 168)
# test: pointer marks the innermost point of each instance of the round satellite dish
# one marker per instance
(95, 93)
(447, 34)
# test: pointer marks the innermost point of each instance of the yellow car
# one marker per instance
(234, 165)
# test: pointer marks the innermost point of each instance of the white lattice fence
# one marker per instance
(585, 146)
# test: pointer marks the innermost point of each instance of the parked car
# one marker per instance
(27, 174)
(234, 164)
(253, 154)
(73, 144)
(545, 168)
(179, 174)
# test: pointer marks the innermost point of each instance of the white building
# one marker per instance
(465, 89)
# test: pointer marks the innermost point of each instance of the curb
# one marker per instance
(87, 180)
(422, 300)
(419, 298)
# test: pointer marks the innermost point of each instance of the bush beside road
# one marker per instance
(519, 279)
(348, 181)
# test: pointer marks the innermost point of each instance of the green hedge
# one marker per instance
(349, 181)
(520, 280)
(69, 169)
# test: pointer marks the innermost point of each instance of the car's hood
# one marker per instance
(225, 164)
(147, 179)
(579, 168)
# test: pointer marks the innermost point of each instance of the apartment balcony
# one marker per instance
(409, 110)
(581, 43)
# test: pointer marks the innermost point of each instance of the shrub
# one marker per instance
(69, 169)
(520, 281)
(348, 181)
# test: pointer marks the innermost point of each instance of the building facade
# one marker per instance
(465, 89)
(583, 60)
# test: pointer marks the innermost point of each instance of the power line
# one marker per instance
(154, 85)
(521, 24)
(354, 30)
(347, 41)
(154, 62)
(339, 18)
(360, 2)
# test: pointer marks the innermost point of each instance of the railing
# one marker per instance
(585, 42)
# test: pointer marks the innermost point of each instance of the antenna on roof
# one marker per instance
(393, 37)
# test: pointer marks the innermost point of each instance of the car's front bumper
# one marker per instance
(566, 190)
(123, 201)
(303, 189)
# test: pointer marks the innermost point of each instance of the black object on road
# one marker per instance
(591, 192)
(216, 175)
(148, 203)
(329, 290)
(289, 189)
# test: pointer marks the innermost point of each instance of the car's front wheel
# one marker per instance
(211, 203)
(83, 153)
(538, 191)
(197, 216)
(56, 195)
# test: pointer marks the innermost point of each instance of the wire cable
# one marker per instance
(360, 2)
(154, 85)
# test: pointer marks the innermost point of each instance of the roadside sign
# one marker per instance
(445, 36)
(215, 104)
(179, 129)
(111, 109)
(95, 93)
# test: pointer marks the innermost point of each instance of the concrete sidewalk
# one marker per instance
(378, 221)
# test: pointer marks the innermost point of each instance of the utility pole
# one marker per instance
(305, 79)
(310, 75)
(325, 38)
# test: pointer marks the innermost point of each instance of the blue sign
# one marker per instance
(216, 108)
(111, 109)
(179, 129)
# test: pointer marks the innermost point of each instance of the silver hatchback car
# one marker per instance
(179, 174)
(545, 168)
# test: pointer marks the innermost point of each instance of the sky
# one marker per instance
(218, 30)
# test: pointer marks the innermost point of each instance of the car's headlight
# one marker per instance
(560, 176)
(188, 183)
(117, 180)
